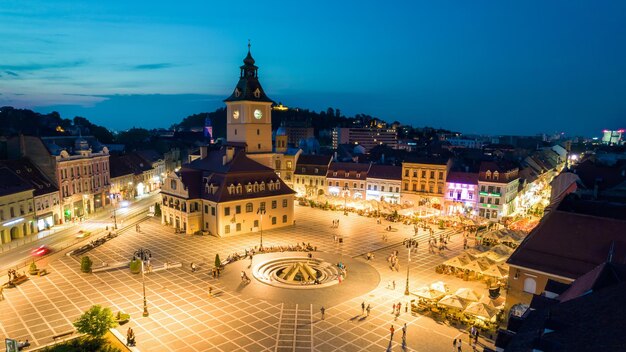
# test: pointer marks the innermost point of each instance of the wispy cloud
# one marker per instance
(42, 66)
(156, 66)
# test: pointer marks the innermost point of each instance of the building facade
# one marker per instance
(46, 200)
(461, 193)
(347, 180)
(424, 181)
(498, 187)
(310, 175)
(78, 166)
(384, 183)
(225, 192)
(17, 215)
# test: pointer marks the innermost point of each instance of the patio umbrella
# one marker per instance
(477, 252)
(497, 303)
(454, 262)
(473, 266)
(509, 238)
(495, 256)
(465, 257)
(481, 310)
(502, 249)
(427, 293)
(495, 271)
(504, 267)
(439, 286)
(493, 236)
(467, 294)
(484, 262)
(452, 301)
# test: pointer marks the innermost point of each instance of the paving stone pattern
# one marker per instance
(183, 317)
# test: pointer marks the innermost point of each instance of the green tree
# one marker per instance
(135, 266)
(95, 322)
(218, 262)
(85, 264)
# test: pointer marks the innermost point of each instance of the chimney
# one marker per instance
(204, 150)
(228, 156)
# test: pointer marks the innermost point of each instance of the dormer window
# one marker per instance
(358, 175)
(239, 188)
(304, 169)
(347, 174)
(488, 175)
(335, 173)
(256, 186)
(231, 189)
(496, 175)
(317, 170)
(262, 186)
(237, 92)
(249, 187)
(257, 93)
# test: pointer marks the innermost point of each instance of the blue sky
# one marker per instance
(495, 67)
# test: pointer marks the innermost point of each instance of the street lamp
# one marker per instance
(261, 212)
(346, 191)
(406, 290)
(144, 254)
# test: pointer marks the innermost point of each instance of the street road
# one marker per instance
(59, 238)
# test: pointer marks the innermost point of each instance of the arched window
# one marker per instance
(530, 285)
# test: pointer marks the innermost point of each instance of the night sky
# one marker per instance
(489, 67)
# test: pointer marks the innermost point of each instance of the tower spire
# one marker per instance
(249, 46)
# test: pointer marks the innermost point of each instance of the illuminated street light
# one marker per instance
(143, 254)
(261, 212)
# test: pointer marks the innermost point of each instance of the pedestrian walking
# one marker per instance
(391, 331)
(362, 307)
(393, 309)
(459, 345)
(399, 307)
(368, 309)
(210, 291)
(323, 311)
(404, 336)
(393, 283)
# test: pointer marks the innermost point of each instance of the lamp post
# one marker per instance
(261, 212)
(143, 254)
(346, 191)
(406, 289)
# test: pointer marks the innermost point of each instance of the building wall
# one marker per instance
(460, 198)
(520, 277)
(83, 183)
(353, 188)
(424, 184)
(309, 185)
(256, 133)
(383, 190)
(17, 216)
(47, 210)
(496, 198)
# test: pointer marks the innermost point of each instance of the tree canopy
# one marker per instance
(96, 321)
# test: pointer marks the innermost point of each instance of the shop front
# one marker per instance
(45, 221)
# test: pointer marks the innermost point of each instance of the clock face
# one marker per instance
(236, 114)
(258, 114)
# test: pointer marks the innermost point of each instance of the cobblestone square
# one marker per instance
(183, 317)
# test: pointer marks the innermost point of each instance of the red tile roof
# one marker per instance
(467, 178)
(570, 244)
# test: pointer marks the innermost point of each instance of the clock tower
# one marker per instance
(249, 110)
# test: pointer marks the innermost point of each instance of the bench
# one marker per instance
(18, 280)
(62, 335)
